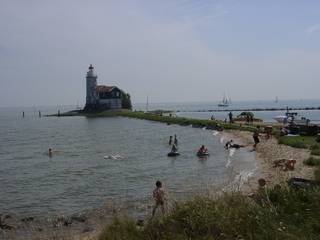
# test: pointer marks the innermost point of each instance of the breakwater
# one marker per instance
(151, 116)
(252, 109)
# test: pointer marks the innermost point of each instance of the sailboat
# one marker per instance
(225, 102)
(147, 105)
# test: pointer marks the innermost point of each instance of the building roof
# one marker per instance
(105, 89)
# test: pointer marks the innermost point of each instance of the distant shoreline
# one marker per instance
(252, 109)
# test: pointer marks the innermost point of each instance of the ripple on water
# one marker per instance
(78, 177)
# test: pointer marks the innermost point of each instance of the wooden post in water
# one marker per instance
(23, 114)
(39, 114)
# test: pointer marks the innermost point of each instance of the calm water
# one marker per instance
(192, 109)
(78, 177)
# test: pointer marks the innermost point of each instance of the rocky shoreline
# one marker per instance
(76, 226)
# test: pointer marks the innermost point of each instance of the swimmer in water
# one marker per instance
(50, 152)
(202, 150)
(228, 144)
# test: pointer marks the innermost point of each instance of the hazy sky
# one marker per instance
(170, 50)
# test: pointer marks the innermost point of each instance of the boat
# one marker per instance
(225, 102)
(281, 118)
(205, 154)
(173, 154)
(291, 117)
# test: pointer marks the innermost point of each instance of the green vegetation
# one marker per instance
(277, 213)
(126, 101)
(315, 149)
(158, 116)
(315, 152)
(298, 141)
(249, 114)
(317, 174)
(312, 161)
(185, 121)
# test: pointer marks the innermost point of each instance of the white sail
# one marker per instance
(225, 101)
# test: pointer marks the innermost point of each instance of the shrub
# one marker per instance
(315, 152)
(297, 142)
(121, 229)
(277, 213)
(317, 174)
(312, 161)
(315, 146)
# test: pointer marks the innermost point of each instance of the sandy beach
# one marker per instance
(266, 152)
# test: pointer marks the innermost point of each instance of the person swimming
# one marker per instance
(230, 144)
(202, 150)
(50, 152)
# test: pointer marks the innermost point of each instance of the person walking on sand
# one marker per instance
(256, 137)
(159, 198)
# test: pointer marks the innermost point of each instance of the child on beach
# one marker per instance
(159, 197)
(256, 137)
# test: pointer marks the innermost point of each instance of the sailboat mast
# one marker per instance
(147, 106)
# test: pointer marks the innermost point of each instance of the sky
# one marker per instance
(170, 51)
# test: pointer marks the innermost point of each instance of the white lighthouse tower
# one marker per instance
(92, 96)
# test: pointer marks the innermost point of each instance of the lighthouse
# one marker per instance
(92, 96)
(102, 97)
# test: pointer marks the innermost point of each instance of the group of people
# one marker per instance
(159, 193)
(255, 136)
(173, 143)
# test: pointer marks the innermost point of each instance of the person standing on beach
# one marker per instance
(230, 117)
(159, 198)
(256, 137)
(248, 119)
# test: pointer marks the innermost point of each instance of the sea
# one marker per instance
(116, 160)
